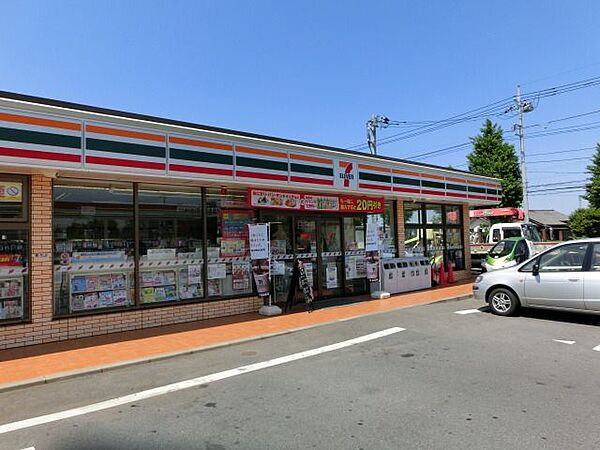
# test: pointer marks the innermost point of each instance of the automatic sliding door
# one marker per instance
(306, 247)
(330, 258)
(282, 254)
(354, 255)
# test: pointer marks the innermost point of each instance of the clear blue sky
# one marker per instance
(315, 70)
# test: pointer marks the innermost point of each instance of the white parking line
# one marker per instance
(174, 387)
(467, 311)
(597, 348)
(562, 341)
(28, 448)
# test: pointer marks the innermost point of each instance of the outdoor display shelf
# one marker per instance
(11, 294)
(177, 280)
(93, 289)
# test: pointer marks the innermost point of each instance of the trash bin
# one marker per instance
(413, 281)
(426, 274)
(389, 277)
(403, 275)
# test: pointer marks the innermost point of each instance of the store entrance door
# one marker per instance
(331, 248)
(305, 238)
(331, 268)
(319, 247)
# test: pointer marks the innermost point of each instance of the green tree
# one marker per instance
(585, 222)
(493, 157)
(593, 187)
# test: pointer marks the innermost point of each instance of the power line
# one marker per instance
(457, 147)
(571, 129)
(563, 89)
(571, 150)
(555, 172)
(545, 161)
(499, 107)
(558, 183)
(564, 118)
(558, 189)
(556, 193)
(473, 114)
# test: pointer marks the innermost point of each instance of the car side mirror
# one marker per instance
(535, 270)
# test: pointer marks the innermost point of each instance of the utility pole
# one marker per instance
(372, 134)
(522, 108)
(373, 123)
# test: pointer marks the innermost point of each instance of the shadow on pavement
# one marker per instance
(561, 316)
(555, 315)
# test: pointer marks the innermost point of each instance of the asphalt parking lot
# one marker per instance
(449, 375)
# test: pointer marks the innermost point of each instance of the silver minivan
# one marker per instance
(566, 276)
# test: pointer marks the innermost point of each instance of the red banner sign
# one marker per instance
(362, 204)
(260, 198)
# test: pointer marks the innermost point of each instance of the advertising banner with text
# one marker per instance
(292, 201)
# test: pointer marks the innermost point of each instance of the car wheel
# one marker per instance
(503, 302)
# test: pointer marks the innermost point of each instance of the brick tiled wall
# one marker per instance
(464, 275)
(44, 329)
(467, 237)
(400, 236)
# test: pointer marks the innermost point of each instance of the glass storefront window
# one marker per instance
(14, 248)
(386, 230)
(282, 254)
(228, 265)
(388, 234)
(354, 233)
(281, 234)
(331, 257)
(331, 237)
(413, 241)
(192, 243)
(170, 243)
(354, 254)
(306, 236)
(13, 198)
(453, 215)
(14, 275)
(434, 244)
(412, 213)
(433, 214)
(306, 246)
(93, 245)
(455, 248)
(440, 237)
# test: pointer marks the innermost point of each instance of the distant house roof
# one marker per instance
(548, 217)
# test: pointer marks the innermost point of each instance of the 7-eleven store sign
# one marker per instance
(346, 175)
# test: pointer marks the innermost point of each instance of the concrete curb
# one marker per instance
(148, 359)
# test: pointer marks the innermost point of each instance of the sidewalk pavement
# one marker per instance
(46, 362)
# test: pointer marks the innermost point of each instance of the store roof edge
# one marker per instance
(161, 120)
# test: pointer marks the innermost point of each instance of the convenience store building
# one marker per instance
(112, 221)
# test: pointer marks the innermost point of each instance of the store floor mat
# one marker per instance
(45, 362)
